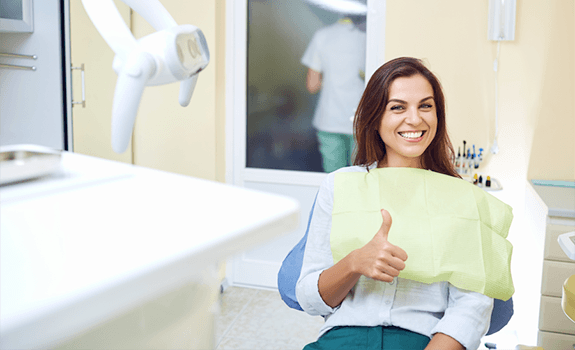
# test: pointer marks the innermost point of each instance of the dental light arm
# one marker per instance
(173, 53)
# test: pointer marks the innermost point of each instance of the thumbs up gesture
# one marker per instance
(379, 259)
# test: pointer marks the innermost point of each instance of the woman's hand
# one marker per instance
(379, 259)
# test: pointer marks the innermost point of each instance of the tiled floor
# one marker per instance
(259, 319)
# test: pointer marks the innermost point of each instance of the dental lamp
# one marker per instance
(173, 53)
(349, 7)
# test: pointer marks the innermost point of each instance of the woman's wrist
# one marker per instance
(441, 341)
(335, 283)
(352, 262)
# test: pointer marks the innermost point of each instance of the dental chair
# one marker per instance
(291, 268)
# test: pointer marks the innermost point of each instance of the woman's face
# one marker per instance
(409, 122)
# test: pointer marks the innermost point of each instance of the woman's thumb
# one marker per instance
(386, 224)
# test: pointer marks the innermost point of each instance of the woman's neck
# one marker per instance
(400, 163)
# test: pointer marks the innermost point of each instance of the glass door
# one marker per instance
(296, 71)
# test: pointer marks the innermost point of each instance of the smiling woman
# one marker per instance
(403, 98)
(400, 123)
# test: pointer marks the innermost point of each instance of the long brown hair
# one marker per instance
(370, 148)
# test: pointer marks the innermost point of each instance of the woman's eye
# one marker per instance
(397, 108)
(426, 106)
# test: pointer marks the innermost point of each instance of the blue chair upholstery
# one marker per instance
(291, 268)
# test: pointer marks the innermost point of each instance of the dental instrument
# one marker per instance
(475, 159)
(173, 53)
(468, 162)
(458, 159)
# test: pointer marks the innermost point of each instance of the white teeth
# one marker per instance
(411, 135)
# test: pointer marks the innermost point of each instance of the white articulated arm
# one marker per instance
(153, 12)
(110, 24)
(173, 53)
(129, 89)
(187, 89)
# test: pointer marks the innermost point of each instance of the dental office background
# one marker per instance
(256, 47)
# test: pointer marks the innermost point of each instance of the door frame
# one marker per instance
(235, 96)
(67, 75)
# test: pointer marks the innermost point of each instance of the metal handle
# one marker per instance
(14, 66)
(83, 102)
(17, 55)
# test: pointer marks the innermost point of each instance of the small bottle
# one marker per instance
(480, 180)
(475, 179)
(488, 182)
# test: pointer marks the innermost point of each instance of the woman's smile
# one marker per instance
(412, 136)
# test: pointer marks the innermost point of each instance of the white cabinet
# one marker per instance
(556, 330)
(31, 109)
(108, 255)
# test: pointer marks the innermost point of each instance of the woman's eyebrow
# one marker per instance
(403, 102)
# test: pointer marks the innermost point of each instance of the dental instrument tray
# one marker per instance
(27, 162)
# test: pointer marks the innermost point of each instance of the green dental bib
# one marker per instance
(450, 229)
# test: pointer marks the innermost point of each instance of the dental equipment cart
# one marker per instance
(102, 254)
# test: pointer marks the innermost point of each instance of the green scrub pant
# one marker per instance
(336, 150)
(369, 338)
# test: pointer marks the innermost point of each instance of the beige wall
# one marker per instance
(91, 123)
(188, 140)
(536, 89)
(553, 147)
(536, 108)
(536, 70)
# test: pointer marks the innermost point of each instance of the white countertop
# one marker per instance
(100, 237)
(560, 200)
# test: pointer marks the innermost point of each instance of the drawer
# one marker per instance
(554, 275)
(555, 341)
(552, 318)
(552, 249)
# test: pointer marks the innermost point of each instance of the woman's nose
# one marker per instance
(413, 117)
